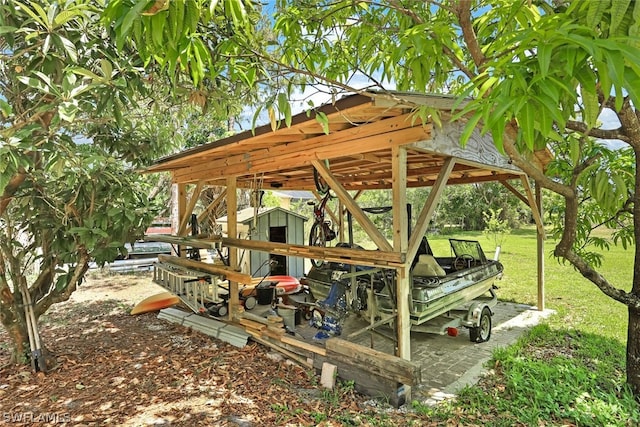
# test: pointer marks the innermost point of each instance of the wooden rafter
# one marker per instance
(379, 135)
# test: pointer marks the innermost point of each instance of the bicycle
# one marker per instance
(322, 230)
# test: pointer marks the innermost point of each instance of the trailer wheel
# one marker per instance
(482, 333)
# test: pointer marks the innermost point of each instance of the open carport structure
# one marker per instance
(368, 141)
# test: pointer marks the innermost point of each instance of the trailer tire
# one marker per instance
(482, 332)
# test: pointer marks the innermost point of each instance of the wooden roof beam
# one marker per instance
(327, 147)
(341, 112)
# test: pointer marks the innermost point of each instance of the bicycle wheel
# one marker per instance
(321, 184)
(317, 238)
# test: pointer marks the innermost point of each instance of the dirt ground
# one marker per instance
(112, 368)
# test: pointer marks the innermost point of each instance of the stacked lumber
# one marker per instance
(270, 331)
(231, 334)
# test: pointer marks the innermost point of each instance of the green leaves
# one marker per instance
(618, 12)
(323, 120)
(200, 39)
(591, 106)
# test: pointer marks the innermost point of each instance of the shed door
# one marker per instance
(278, 234)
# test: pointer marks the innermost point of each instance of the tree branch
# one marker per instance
(626, 298)
(463, 12)
(11, 188)
(597, 133)
(448, 52)
(528, 167)
(630, 123)
(56, 296)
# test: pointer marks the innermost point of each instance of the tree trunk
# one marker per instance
(633, 351)
(633, 329)
(19, 336)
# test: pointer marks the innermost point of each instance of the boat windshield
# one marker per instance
(468, 247)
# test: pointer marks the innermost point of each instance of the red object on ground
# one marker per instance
(286, 284)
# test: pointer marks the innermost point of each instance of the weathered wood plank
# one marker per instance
(291, 355)
(303, 345)
(382, 364)
(370, 384)
(346, 255)
(232, 230)
(251, 324)
(206, 268)
(195, 242)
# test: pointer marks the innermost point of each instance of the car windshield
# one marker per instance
(467, 247)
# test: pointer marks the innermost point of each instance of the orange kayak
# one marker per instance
(155, 303)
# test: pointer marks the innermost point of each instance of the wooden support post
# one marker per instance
(422, 223)
(399, 197)
(232, 231)
(341, 224)
(400, 242)
(540, 250)
(179, 204)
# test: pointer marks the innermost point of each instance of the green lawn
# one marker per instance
(578, 302)
(568, 371)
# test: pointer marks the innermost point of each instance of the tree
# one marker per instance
(82, 107)
(63, 200)
(464, 205)
(537, 71)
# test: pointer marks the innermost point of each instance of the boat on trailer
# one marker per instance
(446, 292)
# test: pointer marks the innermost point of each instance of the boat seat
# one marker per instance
(427, 266)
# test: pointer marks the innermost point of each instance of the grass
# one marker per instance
(568, 371)
(550, 377)
(578, 302)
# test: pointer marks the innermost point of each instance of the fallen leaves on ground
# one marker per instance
(115, 369)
